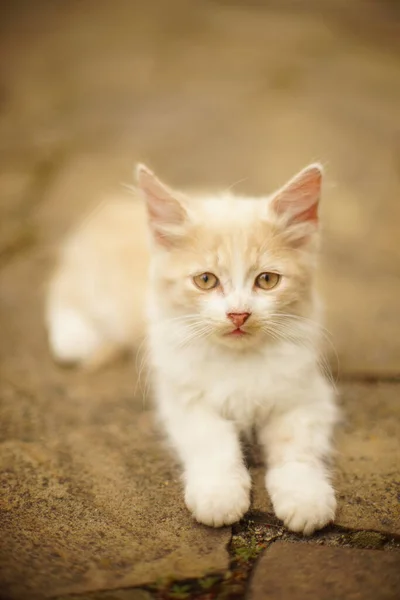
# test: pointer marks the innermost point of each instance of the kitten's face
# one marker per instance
(230, 270)
(225, 273)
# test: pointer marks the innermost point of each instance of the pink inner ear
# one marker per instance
(164, 209)
(153, 188)
(298, 199)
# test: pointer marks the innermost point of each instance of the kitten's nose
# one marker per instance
(238, 319)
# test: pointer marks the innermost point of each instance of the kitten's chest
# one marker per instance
(241, 388)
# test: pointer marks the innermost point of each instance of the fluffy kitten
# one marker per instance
(233, 333)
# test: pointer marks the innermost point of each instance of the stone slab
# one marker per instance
(367, 477)
(303, 571)
(91, 496)
(368, 467)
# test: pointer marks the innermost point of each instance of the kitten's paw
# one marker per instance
(302, 497)
(72, 337)
(218, 501)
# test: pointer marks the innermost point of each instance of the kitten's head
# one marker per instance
(236, 271)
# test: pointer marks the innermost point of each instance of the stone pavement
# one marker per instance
(209, 93)
(319, 570)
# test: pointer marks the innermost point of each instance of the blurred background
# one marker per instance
(209, 93)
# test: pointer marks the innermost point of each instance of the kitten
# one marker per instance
(234, 339)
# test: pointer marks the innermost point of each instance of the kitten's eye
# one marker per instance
(206, 281)
(267, 281)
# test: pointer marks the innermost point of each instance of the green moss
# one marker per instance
(367, 539)
(246, 550)
(180, 591)
(208, 582)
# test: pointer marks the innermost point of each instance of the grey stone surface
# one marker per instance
(303, 571)
(367, 477)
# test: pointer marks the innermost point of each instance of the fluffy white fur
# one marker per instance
(211, 385)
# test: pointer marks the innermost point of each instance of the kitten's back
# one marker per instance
(96, 295)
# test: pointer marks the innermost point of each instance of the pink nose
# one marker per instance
(238, 319)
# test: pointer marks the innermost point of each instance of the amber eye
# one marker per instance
(267, 281)
(206, 281)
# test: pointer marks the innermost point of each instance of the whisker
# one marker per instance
(326, 334)
(285, 332)
(182, 318)
(234, 184)
(192, 333)
(301, 318)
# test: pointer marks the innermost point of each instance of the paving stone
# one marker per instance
(367, 476)
(303, 571)
(91, 496)
(368, 473)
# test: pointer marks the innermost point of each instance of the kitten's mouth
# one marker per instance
(237, 332)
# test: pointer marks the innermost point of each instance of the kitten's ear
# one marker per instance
(165, 211)
(297, 202)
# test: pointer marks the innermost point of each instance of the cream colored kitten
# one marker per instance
(233, 333)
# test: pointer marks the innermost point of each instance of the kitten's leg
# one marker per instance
(217, 483)
(297, 443)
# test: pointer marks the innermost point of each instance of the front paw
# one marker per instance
(302, 497)
(218, 500)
